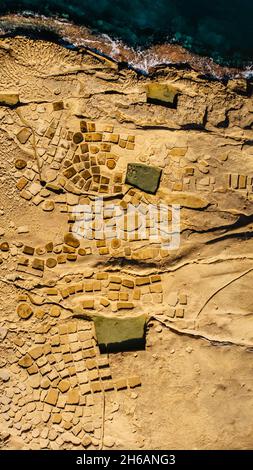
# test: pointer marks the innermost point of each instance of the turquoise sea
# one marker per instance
(219, 29)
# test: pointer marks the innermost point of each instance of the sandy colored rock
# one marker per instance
(58, 105)
(164, 92)
(24, 135)
(4, 375)
(9, 99)
(109, 441)
(64, 386)
(28, 250)
(21, 184)
(20, 164)
(134, 381)
(37, 352)
(52, 397)
(86, 441)
(38, 264)
(88, 303)
(128, 283)
(34, 381)
(73, 397)
(190, 201)
(55, 311)
(24, 311)
(23, 229)
(120, 383)
(4, 246)
(45, 383)
(26, 361)
(48, 206)
(96, 387)
(142, 281)
(77, 137)
(105, 302)
(51, 262)
(45, 416)
(94, 137)
(33, 369)
(56, 419)
(125, 305)
(71, 240)
(111, 164)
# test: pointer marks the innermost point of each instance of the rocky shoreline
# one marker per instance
(145, 61)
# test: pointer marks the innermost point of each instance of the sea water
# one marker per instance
(219, 29)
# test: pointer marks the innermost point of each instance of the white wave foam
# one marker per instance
(138, 59)
(115, 44)
(145, 61)
(248, 72)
